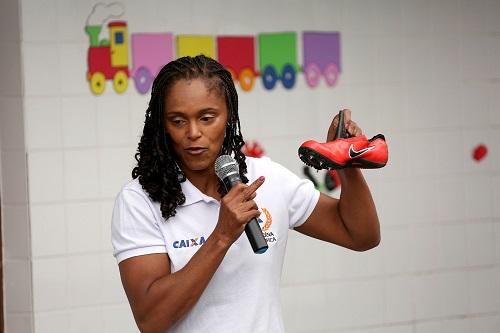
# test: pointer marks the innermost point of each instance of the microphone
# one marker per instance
(227, 169)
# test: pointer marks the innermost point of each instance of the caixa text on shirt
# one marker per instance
(197, 241)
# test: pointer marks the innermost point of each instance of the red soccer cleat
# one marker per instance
(342, 152)
(355, 152)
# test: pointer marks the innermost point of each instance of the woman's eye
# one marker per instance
(177, 122)
(207, 118)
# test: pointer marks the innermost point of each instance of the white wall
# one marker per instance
(424, 73)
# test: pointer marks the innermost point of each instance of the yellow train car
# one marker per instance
(193, 45)
(119, 54)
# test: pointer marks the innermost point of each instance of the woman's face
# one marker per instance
(195, 119)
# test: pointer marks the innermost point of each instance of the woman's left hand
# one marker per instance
(351, 127)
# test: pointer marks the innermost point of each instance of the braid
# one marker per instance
(157, 169)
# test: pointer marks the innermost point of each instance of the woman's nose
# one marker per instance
(194, 131)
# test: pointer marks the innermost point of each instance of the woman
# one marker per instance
(184, 262)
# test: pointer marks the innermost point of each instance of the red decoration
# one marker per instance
(252, 149)
(480, 152)
(237, 54)
(332, 180)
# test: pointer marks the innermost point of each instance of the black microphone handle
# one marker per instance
(255, 236)
(252, 228)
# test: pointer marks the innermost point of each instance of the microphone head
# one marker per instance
(225, 165)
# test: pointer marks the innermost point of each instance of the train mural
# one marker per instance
(271, 56)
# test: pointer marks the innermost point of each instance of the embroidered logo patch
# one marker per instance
(265, 225)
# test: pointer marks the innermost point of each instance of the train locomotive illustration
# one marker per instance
(271, 56)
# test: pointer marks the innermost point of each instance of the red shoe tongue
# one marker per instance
(378, 136)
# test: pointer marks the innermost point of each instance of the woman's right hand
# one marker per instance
(236, 210)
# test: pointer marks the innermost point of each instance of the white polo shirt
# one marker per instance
(243, 295)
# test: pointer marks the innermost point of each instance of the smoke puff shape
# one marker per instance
(102, 12)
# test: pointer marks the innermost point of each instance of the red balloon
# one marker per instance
(480, 152)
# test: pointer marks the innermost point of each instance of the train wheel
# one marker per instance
(269, 78)
(312, 74)
(120, 82)
(143, 80)
(246, 79)
(288, 76)
(97, 83)
(331, 74)
(233, 74)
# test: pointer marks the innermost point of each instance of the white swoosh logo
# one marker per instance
(353, 153)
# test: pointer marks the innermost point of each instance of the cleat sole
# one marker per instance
(315, 160)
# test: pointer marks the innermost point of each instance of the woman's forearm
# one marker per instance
(171, 297)
(357, 209)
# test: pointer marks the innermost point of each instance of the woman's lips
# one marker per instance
(196, 150)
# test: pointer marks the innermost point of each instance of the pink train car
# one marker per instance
(150, 52)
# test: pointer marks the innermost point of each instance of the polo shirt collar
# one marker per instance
(194, 195)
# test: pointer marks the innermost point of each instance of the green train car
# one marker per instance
(278, 59)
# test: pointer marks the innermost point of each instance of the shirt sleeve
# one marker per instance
(299, 194)
(134, 228)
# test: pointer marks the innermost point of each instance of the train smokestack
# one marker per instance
(97, 18)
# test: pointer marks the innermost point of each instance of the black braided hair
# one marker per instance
(157, 170)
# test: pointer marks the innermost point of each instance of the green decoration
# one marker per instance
(277, 50)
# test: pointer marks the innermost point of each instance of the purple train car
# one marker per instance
(321, 57)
